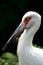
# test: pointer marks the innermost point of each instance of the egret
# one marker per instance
(27, 53)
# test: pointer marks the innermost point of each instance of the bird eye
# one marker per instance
(27, 20)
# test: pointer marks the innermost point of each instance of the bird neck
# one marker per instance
(28, 35)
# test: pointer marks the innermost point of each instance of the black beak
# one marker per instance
(16, 33)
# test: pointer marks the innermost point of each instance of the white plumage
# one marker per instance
(27, 53)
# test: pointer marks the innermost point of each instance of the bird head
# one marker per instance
(28, 20)
(31, 18)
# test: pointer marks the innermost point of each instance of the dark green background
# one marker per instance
(11, 12)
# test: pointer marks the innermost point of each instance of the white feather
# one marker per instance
(27, 53)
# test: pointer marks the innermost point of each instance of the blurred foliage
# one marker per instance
(8, 59)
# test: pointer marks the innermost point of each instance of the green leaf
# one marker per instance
(9, 59)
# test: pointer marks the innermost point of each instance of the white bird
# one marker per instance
(27, 53)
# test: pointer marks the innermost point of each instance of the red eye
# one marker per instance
(27, 20)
